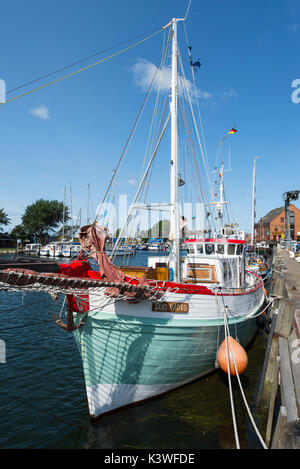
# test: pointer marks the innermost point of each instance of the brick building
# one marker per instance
(271, 227)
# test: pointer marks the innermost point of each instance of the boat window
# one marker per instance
(239, 249)
(209, 248)
(220, 248)
(231, 249)
(200, 248)
(191, 249)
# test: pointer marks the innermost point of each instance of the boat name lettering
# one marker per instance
(167, 307)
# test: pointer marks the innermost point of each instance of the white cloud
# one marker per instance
(144, 72)
(42, 112)
(226, 95)
(132, 182)
(292, 28)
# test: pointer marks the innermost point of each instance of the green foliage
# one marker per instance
(18, 232)
(4, 220)
(43, 216)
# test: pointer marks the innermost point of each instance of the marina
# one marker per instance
(167, 314)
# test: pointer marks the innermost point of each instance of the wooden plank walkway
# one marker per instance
(287, 340)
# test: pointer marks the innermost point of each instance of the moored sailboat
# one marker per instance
(144, 331)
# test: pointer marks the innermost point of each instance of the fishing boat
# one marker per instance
(143, 331)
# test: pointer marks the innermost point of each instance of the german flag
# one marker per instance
(232, 131)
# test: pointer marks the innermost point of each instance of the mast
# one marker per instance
(64, 214)
(71, 203)
(221, 202)
(88, 205)
(174, 209)
(253, 203)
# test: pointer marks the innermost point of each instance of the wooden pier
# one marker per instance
(279, 394)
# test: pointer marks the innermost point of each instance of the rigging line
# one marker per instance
(197, 101)
(77, 62)
(197, 165)
(139, 188)
(196, 129)
(189, 137)
(164, 54)
(145, 189)
(205, 163)
(229, 380)
(84, 68)
(128, 141)
(187, 11)
(229, 205)
(189, 140)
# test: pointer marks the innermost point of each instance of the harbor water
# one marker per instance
(43, 397)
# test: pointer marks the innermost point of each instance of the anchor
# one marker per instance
(69, 326)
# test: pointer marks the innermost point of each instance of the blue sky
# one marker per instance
(74, 131)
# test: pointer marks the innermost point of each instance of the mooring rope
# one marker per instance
(227, 335)
(237, 442)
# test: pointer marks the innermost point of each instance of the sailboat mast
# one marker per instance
(88, 205)
(174, 209)
(71, 203)
(64, 214)
(253, 203)
(221, 198)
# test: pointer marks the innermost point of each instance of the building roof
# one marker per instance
(272, 214)
(5, 237)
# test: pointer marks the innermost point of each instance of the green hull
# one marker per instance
(147, 353)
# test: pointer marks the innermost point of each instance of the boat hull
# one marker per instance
(128, 358)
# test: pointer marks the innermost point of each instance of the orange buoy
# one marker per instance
(239, 355)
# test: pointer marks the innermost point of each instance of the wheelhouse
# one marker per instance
(215, 261)
(211, 262)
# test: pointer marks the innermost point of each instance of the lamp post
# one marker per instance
(287, 197)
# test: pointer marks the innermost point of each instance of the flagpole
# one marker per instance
(231, 132)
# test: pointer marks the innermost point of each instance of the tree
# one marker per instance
(4, 220)
(18, 232)
(43, 216)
